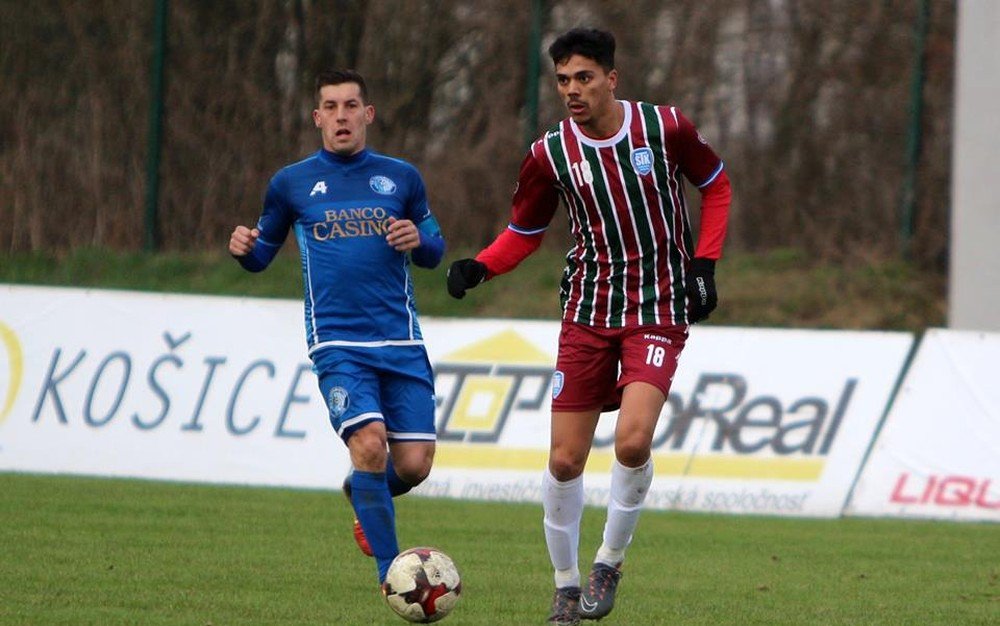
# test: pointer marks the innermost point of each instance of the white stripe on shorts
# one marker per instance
(412, 436)
(358, 418)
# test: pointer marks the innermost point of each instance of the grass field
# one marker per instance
(102, 551)
(79, 551)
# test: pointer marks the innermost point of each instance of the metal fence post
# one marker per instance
(914, 130)
(154, 143)
(531, 82)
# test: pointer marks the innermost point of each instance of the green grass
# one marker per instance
(95, 551)
(783, 288)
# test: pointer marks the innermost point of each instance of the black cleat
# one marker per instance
(598, 597)
(565, 603)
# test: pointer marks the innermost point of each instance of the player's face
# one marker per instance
(343, 118)
(588, 91)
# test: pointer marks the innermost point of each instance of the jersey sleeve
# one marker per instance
(536, 199)
(702, 166)
(697, 160)
(417, 209)
(716, 198)
(273, 224)
(431, 249)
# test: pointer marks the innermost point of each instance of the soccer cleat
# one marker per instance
(598, 597)
(361, 540)
(359, 533)
(565, 607)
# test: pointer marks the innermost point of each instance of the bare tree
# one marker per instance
(808, 102)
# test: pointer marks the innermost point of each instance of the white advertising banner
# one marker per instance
(771, 422)
(938, 454)
(758, 421)
(161, 386)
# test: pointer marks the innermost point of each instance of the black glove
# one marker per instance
(702, 298)
(465, 274)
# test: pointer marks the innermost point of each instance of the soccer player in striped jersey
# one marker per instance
(634, 282)
(359, 218)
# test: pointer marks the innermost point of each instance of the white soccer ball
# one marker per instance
(422, 585)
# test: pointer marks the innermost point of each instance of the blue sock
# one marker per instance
(373, 506)
(397, 486)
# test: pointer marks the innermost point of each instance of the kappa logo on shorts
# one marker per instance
(557, 384)
(382, 185)
(338, 400)
(642, 160)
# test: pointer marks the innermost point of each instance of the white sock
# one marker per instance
(563, 506)
(629, 486)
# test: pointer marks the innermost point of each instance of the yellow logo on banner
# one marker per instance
(480, 403)
(15, 366)
(506, 347)
(489, 378)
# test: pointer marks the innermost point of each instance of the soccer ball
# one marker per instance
(422, 585)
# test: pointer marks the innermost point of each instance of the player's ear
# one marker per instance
(369, 113)
(316, 117)
(613, 79)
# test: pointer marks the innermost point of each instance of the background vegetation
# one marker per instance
(808, 102)
(782, 288)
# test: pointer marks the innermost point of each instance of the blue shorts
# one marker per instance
(393, 384)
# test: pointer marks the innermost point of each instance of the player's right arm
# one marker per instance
(254, 248)
(243, 240)
(535, 201)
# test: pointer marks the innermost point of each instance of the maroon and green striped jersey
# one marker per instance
(625, 199)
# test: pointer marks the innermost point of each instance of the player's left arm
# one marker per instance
(419, 234)
(716, 198)
(430, 250)
(702, 166)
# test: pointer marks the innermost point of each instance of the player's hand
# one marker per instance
(403, 235)
(465, 274)
(702, 298)
(242, 241)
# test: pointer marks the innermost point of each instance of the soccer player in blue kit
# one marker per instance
(359, 218)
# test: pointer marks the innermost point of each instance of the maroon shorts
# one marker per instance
(595, 364)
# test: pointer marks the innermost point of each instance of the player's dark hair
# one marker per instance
(339, 77)
(597, 45)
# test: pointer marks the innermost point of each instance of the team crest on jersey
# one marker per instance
(382, 185)
(642, 160)
(319, 187)
(557, 383)
(338, 401)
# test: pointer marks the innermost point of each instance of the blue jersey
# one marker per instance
(358, 290)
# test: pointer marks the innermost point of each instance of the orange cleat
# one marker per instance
(361, 540)
(359, 533)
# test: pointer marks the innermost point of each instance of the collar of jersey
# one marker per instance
(355, 159)
(610, 141)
